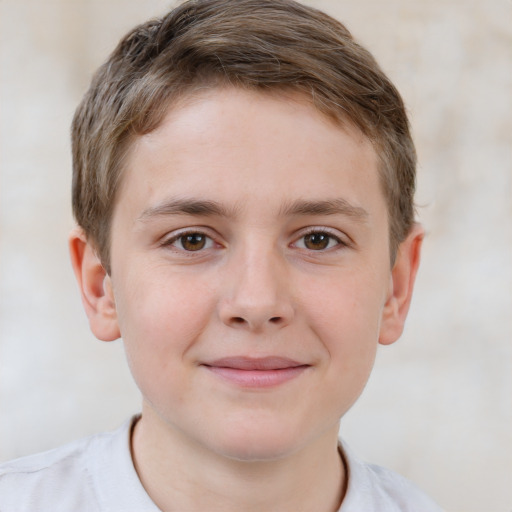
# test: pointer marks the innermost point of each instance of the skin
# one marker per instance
(288, 257)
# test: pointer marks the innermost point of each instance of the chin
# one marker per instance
(257, 443)
(253, 451)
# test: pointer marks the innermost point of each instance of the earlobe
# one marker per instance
(95, 287)
(401, 286)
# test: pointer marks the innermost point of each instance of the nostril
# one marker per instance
(240, 320)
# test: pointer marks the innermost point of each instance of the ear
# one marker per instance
(401, 286)
(95, 287)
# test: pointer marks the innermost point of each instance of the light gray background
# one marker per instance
(438, 407)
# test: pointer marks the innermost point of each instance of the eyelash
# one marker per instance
(339, 243)
(170, 242)
(209, 241)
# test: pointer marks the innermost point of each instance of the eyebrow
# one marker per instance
(186, 206)
(207, 208)
(337, 206)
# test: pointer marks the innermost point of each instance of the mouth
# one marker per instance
(250, 372)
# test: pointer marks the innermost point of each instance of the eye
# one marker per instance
(318, 241)
(191, 242)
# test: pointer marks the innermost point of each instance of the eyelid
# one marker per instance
(170, 238)
(342, 239)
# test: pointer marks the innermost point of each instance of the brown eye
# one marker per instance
(318, 241)
(192, 242)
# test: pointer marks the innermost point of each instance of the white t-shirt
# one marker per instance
(96, 474)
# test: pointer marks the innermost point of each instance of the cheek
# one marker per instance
(350, 339)
(346, 318)
(348, 304)
(160, 320)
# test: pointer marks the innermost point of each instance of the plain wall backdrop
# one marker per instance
(438, 407)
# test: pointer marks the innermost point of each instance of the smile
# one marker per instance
(256, 372)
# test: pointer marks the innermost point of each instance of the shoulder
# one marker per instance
(32, 482)
(62, 479)
(374, 488)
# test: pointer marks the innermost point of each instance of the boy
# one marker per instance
(243, 185)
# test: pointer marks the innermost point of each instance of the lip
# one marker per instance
(251, 372)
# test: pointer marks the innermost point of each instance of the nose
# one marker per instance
(256, 292)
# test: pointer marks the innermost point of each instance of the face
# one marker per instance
(250, 271)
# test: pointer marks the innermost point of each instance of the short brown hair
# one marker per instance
(255, 44)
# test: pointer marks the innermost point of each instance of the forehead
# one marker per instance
(276, 144)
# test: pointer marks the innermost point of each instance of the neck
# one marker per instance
(180, 475)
